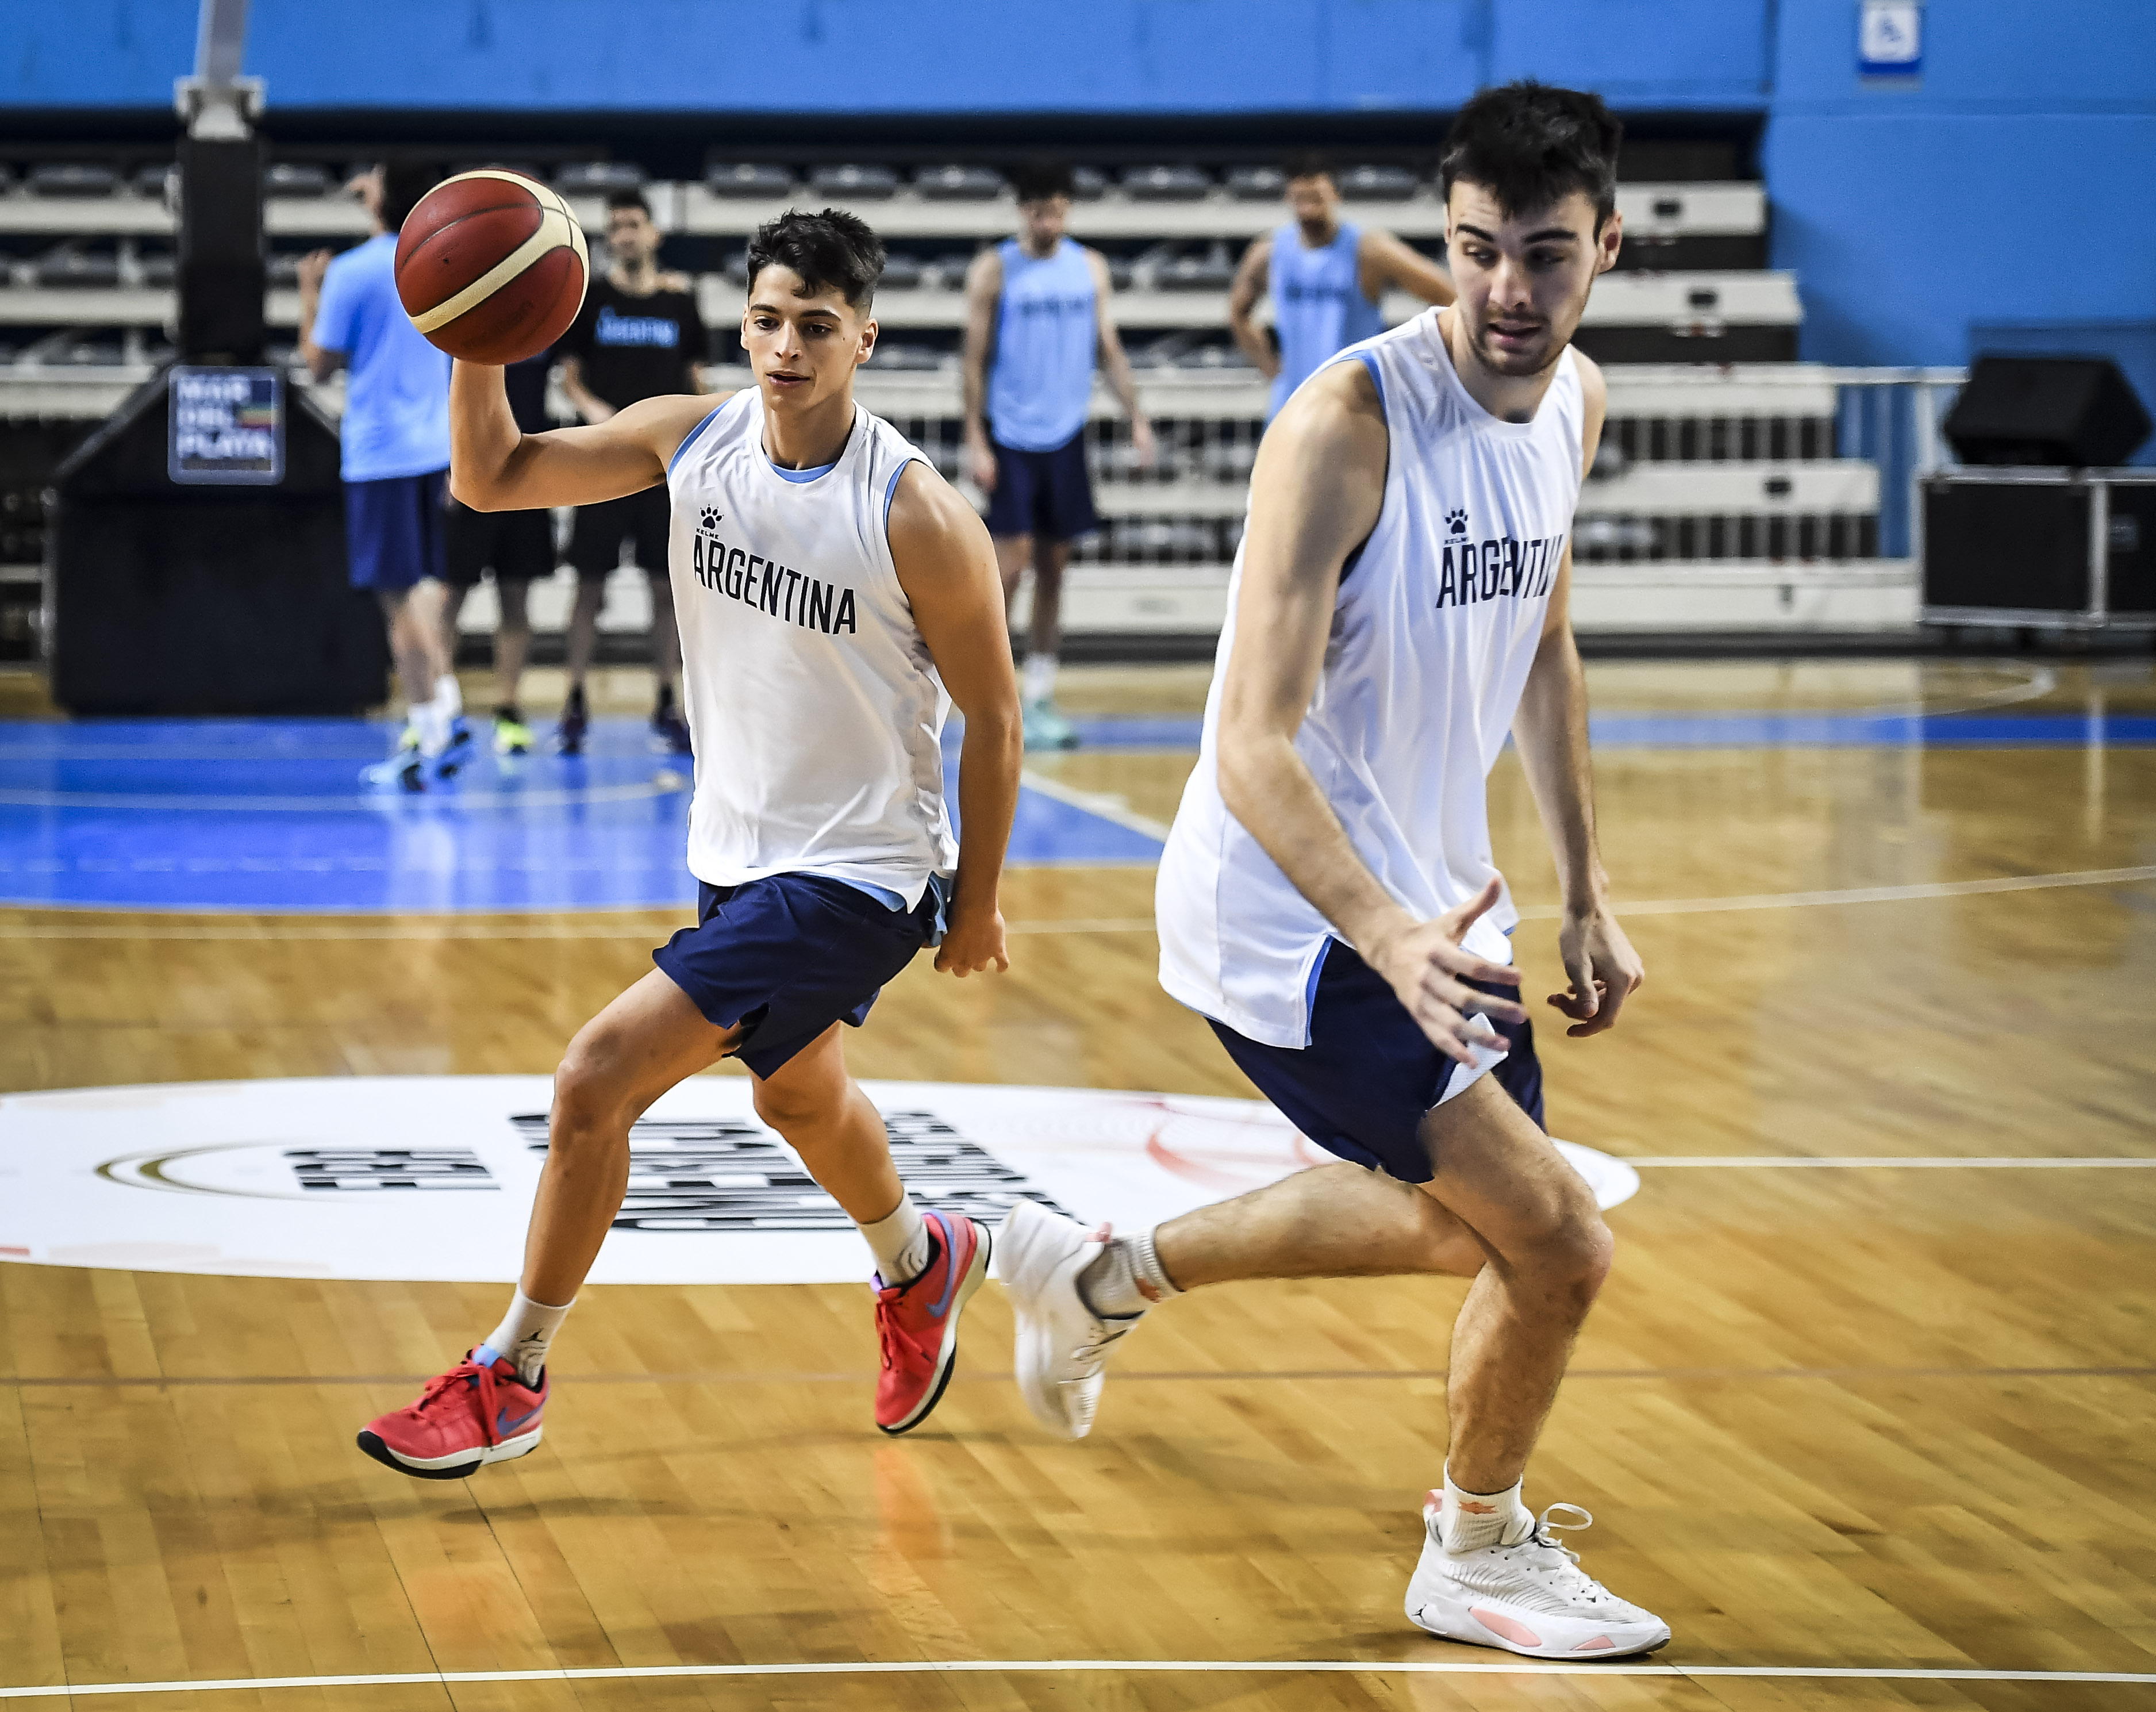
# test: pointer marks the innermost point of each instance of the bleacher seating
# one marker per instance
(1723, 450)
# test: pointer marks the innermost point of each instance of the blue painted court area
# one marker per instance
(271, 814)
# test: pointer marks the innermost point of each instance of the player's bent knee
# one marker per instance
(798, 1103)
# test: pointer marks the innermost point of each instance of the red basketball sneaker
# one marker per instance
(917, 1323)
(468, 1417)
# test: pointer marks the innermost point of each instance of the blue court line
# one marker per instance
(1760, 731)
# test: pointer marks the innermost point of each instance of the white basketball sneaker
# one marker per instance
(1531, 1598)
(1061, 1342)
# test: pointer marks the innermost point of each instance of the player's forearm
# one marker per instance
(1267, 786)
(1250, 337)
(990, 758)
(975, 389)
(1551, 730)
(1116, 366)
(484, 437)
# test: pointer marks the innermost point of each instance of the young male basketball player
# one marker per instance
(835, 596)
(1327, 899)
(1037, 318)
(1327, 278)
(639, 336)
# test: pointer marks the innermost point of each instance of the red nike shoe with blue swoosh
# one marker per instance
(473, 1415)
(917, 1323)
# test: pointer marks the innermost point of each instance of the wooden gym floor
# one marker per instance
(1893, 1421)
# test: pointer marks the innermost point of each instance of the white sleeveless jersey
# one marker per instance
(1436, 624)
(817, 713)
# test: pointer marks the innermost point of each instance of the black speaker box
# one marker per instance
(2078, 411)
(176, 599)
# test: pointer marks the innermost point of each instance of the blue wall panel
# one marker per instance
(900, 56)
(1641, 55)
(2014, 184)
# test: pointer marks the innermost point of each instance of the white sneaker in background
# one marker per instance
(1061, 1342)
(1531, 1598)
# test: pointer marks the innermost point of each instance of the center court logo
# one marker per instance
(430, 1178)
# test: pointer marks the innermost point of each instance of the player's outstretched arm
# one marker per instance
(1550, 729)
(1316, 493)
(495, 467)
(947, 568)
(1115, 361)
(1385, 260)
(1243, 294)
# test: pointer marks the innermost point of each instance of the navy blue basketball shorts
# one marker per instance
(1361, 1087)
(642, 519)
(396, 530)
(788, 956)
(1047, 494)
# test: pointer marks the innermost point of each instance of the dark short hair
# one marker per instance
(1310, 164)
(1530, 146)
(617, 200)
(832, 249)
(403, 183)
(1036, 181)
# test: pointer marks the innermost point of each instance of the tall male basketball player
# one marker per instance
(1327, 899)
(1327, 278)
(836, 598)
(1037, 318)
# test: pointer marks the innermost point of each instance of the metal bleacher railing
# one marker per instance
(1735, 489)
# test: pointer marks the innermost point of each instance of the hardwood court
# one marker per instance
(1837, 1417)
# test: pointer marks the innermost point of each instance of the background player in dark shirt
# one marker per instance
(518, 547)
(637, 336)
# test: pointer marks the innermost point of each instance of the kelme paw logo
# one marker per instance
(1456, 522)
(708, 519)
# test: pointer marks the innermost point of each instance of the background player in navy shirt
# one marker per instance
(518, 547)
(637, 336)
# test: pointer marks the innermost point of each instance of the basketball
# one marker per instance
(491, 266)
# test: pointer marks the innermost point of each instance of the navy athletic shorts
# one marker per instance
(1362, 1085)
(1043, 493)
(395, 530)
(644, 518)
(518, 547)
(789, 955)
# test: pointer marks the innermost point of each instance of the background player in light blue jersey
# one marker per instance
(1036, 322)
(1327, 278)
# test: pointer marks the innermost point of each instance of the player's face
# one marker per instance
(1043, 221)
(632, 238)
(1313, 201)
(1523, 279)
(802, 343)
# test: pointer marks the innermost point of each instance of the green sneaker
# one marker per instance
(1047, 729)
(511, 735)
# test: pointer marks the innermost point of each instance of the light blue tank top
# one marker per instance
(1042, 379)
(1318, 304)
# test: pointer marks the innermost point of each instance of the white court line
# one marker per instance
(1269, 1666)
(1115, 809)
(453, 927)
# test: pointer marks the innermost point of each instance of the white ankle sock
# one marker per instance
(448, 694)
(1474, 1519)
(1125, 1279)
(432, 725)
(524, 1334)
(901, 1241)
(1039, 679)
